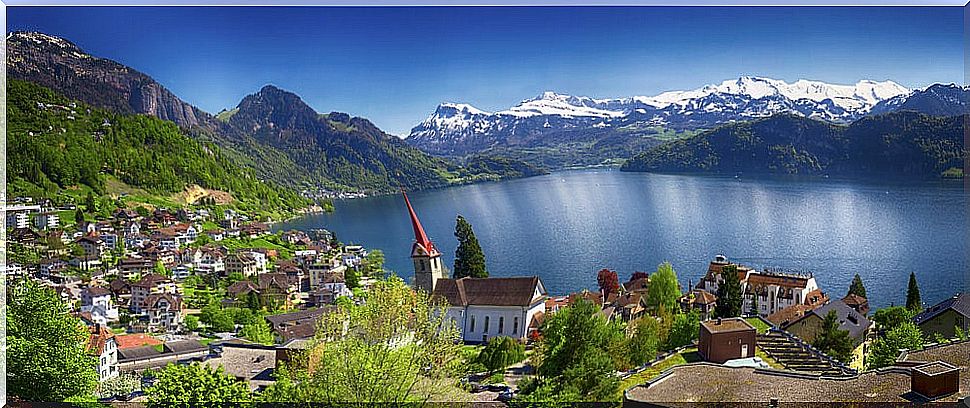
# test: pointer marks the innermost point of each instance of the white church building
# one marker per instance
(481, 308)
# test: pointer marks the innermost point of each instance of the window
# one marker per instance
(472, 329)
(515, 325)
(485, 330)
(501, 324)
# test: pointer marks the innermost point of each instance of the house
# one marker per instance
(321, 272)
(242, 262)
(92, 245)
(859, 303)
(211, 262)
(164, 311)
(252, 363)
(296, 325)
(630, 305)
(148, 285)
(295, 237)
(125, 214)
(87, 263)
(97, 301)
(486, 307)
(52, 266)
(47, 220)
(943, 318)
(148, 357)
(639, 284)
(166, 238)
(102, 344)
(253, 230)
(272, 289)
(700, 300)
(130, 267)
(721, 340)
(216, 234)
(809, 325)
(18, 219)
(772, 291)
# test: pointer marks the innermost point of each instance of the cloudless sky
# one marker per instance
(393, 65)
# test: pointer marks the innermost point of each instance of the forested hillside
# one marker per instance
(55, 143)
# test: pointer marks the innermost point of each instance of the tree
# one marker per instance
(501, 352)
(832, 340)
(90, 203)
(252, 301)
(375, 263)
(397, 347)
(217, 319)
(913, 301)
(160, 269)
(258, 331)
(469, 258)
(729, 300)
(574, 355)
(608, 282)
(192, 322)
(753, 310)
(684, 329)
(644, 344)
(352, 278)
(78, 216)
(197, 384)
(856, 287)
(46, 347)
(889, 317)
(664, 290)
(885, 350)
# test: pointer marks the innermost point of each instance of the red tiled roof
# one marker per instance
(98, 339)
(126, 341)
(488, 291)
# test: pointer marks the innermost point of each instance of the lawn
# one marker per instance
(684, 357)
(764, 356)
(758, 324)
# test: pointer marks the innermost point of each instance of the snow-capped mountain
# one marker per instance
(546, 119)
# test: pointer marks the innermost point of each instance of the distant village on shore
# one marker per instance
(173, 286)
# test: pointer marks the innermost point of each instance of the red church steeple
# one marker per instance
(422, 245)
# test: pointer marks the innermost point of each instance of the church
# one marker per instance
(481, 308)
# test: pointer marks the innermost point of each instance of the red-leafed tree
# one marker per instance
(638, 275)
(608, 281)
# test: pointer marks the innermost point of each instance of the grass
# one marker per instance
(684, 357)
(764, 356)
(758, 324)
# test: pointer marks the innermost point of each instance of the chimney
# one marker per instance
(718, 320)
(773, 402)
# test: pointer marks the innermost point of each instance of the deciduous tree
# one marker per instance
(198, 385)
(46, 347)
(885, 350)
(501, 352)
(608, 282)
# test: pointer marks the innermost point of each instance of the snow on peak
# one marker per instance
(552, 103)
(451, 109)
(861, 96)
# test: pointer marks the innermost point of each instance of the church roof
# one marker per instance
(420, 238)
(489, 291)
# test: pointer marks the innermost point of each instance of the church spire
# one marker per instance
(420, 238)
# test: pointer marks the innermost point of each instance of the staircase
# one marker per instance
(797, 355)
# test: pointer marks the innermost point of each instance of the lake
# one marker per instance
(567, 225)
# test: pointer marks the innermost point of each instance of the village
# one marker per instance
(182, 286)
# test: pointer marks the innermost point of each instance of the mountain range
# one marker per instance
(271, 132)
(553, 122)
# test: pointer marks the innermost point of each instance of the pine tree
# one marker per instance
(832, 340)
(729, 300)
(78, 217)
(469, 258)
(913, 301)
(857, 288)
(753, 310)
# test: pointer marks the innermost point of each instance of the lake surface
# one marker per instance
(566, 226)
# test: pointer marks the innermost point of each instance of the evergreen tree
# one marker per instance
(90, 203)
(857, 288)
(913, 301)
(753, 310)
(469, 258)
(832, 340)
(729, 300)
(78, 217)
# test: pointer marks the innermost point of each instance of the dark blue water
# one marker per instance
(566, 226)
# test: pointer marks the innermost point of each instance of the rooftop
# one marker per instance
(727, 325)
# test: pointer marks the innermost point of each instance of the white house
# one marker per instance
(482, 308)
(772, 291)
(97, 301)
(47, 220)
(104, 347)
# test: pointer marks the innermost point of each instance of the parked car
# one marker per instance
(506, 396)
(497, 387)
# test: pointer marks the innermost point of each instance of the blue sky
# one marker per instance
(393, 65)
